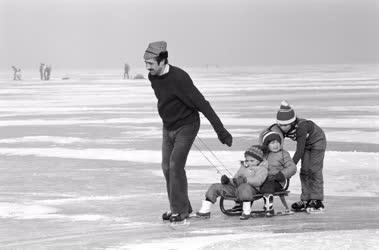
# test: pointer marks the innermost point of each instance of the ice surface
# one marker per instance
(357, 239)
(80, 160)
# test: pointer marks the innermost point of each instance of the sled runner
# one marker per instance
(236, 210)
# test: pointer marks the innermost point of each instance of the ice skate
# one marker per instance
(299, 206)
(315, 207)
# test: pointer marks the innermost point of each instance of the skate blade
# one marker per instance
(201, 216)
(180, 224)
(299, 210)
(285, 213)
(315, 211)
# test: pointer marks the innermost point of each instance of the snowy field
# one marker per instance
(80, 160)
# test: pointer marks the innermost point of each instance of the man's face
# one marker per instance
(153, 67)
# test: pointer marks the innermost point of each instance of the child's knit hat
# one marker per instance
(255, 151)
(286, 115)
(269, 137)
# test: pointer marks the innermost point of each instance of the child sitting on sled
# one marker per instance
(280, 168)
(243, 185)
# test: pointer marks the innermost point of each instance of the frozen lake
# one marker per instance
(80, 160)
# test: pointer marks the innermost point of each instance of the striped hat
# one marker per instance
(269, 137)
(255, 151)
(154, 49)
(286, 115)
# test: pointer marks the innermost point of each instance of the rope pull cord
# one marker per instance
(220, 169)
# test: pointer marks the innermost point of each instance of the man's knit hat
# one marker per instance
(154, 49)
(286, 115)
(255, 151)
(269, 137)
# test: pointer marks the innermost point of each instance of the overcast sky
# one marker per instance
(79, 34)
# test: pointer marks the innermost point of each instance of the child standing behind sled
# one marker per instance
(280, 168)
(243, 186)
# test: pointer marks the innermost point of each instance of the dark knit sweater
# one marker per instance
(179, 101)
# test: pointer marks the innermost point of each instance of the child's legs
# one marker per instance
(218, 189)
(305, 175)
(245, 192)
(269, 187)
(316, 180)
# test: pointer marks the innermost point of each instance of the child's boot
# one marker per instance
(246, 210)
(205, 210)
(269, 205)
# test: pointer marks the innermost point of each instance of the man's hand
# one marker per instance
(225, 138)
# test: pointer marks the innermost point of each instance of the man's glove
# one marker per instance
(225, 179)
(279, 177)
(239, 180)
(225, 137)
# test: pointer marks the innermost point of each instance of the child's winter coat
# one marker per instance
(281, 161)
(256, 175)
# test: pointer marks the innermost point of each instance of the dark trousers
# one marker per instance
(312, 181)
(176, 145)
(269, 187)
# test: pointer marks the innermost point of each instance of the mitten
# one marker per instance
(225, 137)
(279, 177)
(239, 180)
(225, 179)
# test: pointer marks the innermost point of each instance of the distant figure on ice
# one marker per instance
(310, 148)
(16, 73)
(42, 71)
(47, 72)
(179, 103)
(244, 185)
(126, 71)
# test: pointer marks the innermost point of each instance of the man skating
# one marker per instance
(179, 104)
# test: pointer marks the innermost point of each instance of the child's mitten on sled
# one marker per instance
(239, 180)
(279, 177)
(225, 179)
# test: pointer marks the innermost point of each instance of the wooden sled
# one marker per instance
(237, 210)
